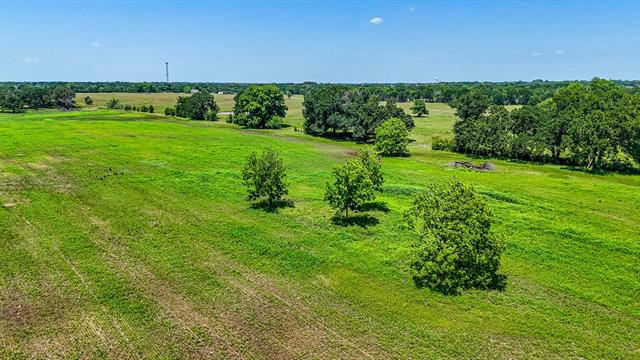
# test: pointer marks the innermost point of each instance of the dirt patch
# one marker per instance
(486, 166)
(16, 310)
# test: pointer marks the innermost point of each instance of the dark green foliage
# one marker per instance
(62, 97)
(593, 125)
(264, 177)
(392, 138)
(456, 249)
(419, 108)
(171, 111)
(88, 100)
(259, 107)
(113, 104)
(333, 108)
(128, 107)
(151, 109)
(196, 106)
(144, 108)
(371, 163)
(439, 143)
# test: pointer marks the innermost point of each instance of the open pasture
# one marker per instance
(126, 235)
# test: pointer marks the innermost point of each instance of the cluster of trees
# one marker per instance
(596, 125)
(115, 104)
(500, 93)
(356, 112)
(259, 107)
(19, 98)
(455, 248)
(199, 106)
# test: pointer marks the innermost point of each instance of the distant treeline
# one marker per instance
(17, 98)
(595, 124)
(500, 93)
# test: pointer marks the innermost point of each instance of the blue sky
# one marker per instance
(323, 41)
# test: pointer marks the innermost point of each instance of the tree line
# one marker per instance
(596, 125)
(500, 93)
(17, 99)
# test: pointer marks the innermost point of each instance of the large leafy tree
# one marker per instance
(62, 97)
(259, 106)
(456, 248)
(199, 106)
(419, 108)
(392, 138)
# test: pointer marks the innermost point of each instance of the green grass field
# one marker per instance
(127, 235)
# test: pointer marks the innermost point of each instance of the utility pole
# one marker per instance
(166, 64)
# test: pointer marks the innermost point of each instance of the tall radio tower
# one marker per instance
(166, 64)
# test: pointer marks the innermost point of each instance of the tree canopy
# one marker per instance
(259, 106)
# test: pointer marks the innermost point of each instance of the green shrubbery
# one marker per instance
(392, 138)
(439, 143)
(456, 249)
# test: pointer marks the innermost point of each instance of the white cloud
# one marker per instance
(536, 54)
(376, 20)
(31, 59)
(94, 44)
(411, 8)
(559, 52)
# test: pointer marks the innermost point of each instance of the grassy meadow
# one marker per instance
(127, 235)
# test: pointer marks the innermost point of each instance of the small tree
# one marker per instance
(196, 106)
(144, 108)
(419, 108)
(264, 177)
(88, 100)
(171, 111)
(392, 138)
(371, 163)
(352, 187)
(151, 109)
(456, 249)
(128, 107)
(113, 104)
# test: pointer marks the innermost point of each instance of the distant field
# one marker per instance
(162, 100)
(126, 235)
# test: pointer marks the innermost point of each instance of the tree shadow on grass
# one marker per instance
(376, 206)
(273, 207)
(362, 220)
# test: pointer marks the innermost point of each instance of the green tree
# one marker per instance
(151, 109)
(113, 104)
(419, 108)
(264, 177)
(351, 188)
(456, 249)
(144, 108)
(198, 106)
(259, 106)
(88, 100)
(392, 138)
(170, 111)
(62, 97)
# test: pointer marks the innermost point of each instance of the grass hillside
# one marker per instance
(127, 235)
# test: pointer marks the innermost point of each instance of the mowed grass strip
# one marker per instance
(125, 234)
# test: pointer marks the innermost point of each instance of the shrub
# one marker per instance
(171, 111)
(88, 100)
(151, 109)
(264, 177)
(392, 138)
(351, 188)
(113, 104)
(438, 143)
(127, 107)
(144, 108)
(456, 249)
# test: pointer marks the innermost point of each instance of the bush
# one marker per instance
(113, 104)
(392, 138)
(171, 111)
(88, 100)
(456, 248)
(151, 109)
(438, 143)
(264, 177)
(144, 108)
(127, 107)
